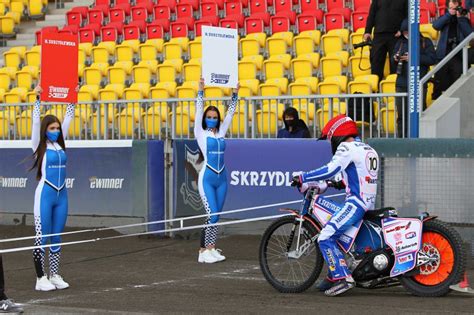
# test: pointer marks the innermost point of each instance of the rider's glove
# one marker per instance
(338, 185)
(319, 187)
(296, 182)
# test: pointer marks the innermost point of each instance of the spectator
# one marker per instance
(400, 59)
(6, 305)
(385, 17)
(454, 28)
(294, 126)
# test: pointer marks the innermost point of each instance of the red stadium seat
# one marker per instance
(145, 3)
(358, 4)
(333, 21)
(46, 29)
(258, 6)
(233, 8)
(74, 18)
(140, 24)
(154, 31)
(290, 15)
(253, 25)
(121, 1)
(184, 10)
(284, 8)
(193, 3)
(126, 7)
(213, 20)
(239, 19)
(82, 10)
(306, 22)
(279, 24)
(70, 28)
(167, 3)
(179, 29)
(164, 23)
(162, 12)
(139, 13)
(424, 16)
(131, 32)
(209, 9)
(104, 8)
(198, 25)
(220, 3)
(86, 35)
(430, 6)
(441, 10)
(334, 4)
(189, 21)
(264, 16)
(96, 16)
(102, 2)
(111, 32)
(117, 15)
(229, 23)
(346, 12)
(94, 27)
(318, 14)
(359, 20)
(309, 5)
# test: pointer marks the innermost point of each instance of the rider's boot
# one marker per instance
(340, 287)
(325, 284)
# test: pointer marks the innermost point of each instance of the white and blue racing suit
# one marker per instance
(51, 203)
(358, 163)
(212, 182)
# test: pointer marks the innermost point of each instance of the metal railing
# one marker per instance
(465, 62)
(255, 117)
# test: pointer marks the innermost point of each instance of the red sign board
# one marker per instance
(59, 67)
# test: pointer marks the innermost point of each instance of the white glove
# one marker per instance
(319, 187)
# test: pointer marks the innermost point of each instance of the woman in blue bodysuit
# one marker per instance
(212, 184)
(51, 204)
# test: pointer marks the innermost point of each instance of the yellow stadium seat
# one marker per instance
(23, 124)
(330, 67)
(256, 59)
(132, 94)
(314, 34)
(5, 81)
(267, 122)
(151, 64)
(15, 16)
(276, 46)
(31, 97)
(388, 86)
(312, 82)
(12, 59)
(125, 65)
(92, 76)
(116, 75)
(110, 46)
(24, 79)
(252, 84)
(152, 121)
(169, 86)
(391, 78)
(428, 31)
(148, 52)
(10, 113)
(195, 49)
(183, 41)
(56, 110)
(92, 89)
(342, 55)
(133, 43)
(101, 66)
(176, 63)
(213, 92)
(356, 38)
(2, 94)
(141, 74)
(313, 57)
(247, 70)
(282, 84)
(86, 47)
(172, 51)
(156, 42)
(343, 33)
(10, 71)
(187, 106)
(287, 36)
(100, 54)
(4, 126)
(301, 68)
(123, 53)
(273, 69)
(239, 123)
(84, 96)
(144, 87)
(192, 72)
(20, 50)
(180, 121)
(359, 66)
(429, 92)
(340, 80)
(196, 61)
(16, 95)
(17, 6)
(332, 43)
(326, 88)
(249, 47)
(193, 85)
(285, 59)
(302, 105)
(127, 123)
(33, 70)
(372, 79)
(304, 45)
(386, 68)
(35, 8)
(259, 37)
(388, 117)
(360, 87)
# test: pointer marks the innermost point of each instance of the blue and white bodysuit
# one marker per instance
(51, 203)
(212, 182)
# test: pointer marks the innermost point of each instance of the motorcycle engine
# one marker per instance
(373, 265)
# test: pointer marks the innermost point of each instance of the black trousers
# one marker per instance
(447, 75)
(382, 44)
(2, 281)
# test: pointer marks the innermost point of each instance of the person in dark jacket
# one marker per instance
(385, 17)
(294, 126)
(400, 60)
(454, 28)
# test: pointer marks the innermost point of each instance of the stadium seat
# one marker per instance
(24, 79)
(303, 45)
(247, 70)
(254, 25)
(273, 69)
(342, 55)
(281, 83)
(276, 46)
(312, 82)
(279, 24)
(259, 37)
(359, 66)
(284, 58)
(36, 8)
(332, 43)
(249, 47)
(267, 121)
(231, 22)
(428, 31)
(340, 80)
(333, 21)
(7, 26)
(166, 73)
(371, 79)
(305, 22)
(12, 59)
(256, 59)
(342, 33)
(192, 72)
(388, 116)
(330, 67)
(251, 84)
(302, 105)
(314, 34)
(359, 20)
(195, 49)
(169, 86)
(172, 51)
(5, 81)
(361, 4)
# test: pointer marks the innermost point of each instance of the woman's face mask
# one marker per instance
(52, 135)
(290, 121)
(211, 122)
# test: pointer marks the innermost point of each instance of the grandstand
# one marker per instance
(141, 50)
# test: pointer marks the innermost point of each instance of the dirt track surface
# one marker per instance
(134, 275)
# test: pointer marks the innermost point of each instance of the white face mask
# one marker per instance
(405, 35)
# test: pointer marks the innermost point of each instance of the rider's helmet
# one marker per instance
(338, 129)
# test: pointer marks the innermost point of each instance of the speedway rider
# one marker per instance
(358, 163)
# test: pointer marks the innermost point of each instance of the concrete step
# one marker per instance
(78, 3)
(29, 35)
(13, 43)
(58, 23)
(55, 17)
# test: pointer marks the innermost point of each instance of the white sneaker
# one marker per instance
(58, 282)
(207, 257)
(43, 284)
(217, 253)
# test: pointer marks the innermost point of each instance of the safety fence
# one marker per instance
(173, 118)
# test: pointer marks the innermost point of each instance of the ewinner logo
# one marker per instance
(106, 183)
(13, 182)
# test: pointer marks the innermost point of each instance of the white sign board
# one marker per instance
(220, 56)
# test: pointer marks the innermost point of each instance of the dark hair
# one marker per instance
(40, 151)
(337, 140)
(209, 108)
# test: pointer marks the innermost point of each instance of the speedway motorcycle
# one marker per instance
(423, 254)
